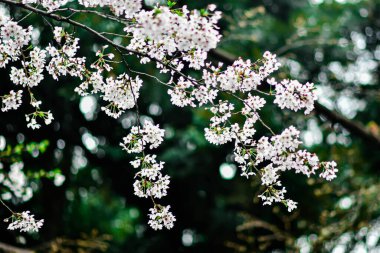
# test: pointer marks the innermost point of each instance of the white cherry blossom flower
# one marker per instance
(12, 101)
(293, 95)
(25, 222)
(160, 217)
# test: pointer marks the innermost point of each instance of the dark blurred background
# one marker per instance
(334, 44)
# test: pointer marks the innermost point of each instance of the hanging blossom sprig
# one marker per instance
(25, 221)
(174, 39)
(16, 186)
(16, 183)
(150, 181)
(12, 40)
(63, 61)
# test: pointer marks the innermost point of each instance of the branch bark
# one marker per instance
(12, 249)
(355, 128)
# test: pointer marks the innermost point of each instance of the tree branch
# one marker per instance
(92, 31)
(353, 127)
(12, 249)
(334, 117)
(70, 21)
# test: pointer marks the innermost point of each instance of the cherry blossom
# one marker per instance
(12, 101)
(189, 33)
(12, 39)
(17, 183)
(120, 7)
(292, 95)
(329, 170)
(25, 222)
(30, 74)
(175, 40)
(48, 4)
(160, 217)
(121, 93)
(63, 61)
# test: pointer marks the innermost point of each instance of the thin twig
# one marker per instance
(107, 16)
(10, 210)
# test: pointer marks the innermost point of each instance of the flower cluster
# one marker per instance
(173, 39)
(293, 95)
(329, 170)
(282, 154)
(179, 95)
(161, 33)
(267, 157)
(150, 182)
(252, 104)
(245, 76)
(11, 101)
(12, 39)
(30, 74)
(102, 63)
(25, 222)
(186, 93)
(219, 133)
(120, 7)
(50, 5)
(138, 139)
(121, 93)
(160, 217)
(31, 118)
(95, 80)
(63, 61)
(16, 182)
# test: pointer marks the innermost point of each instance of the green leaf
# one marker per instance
(204, 12)
(171, 4)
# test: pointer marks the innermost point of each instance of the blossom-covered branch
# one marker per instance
(25, 222)
(175, 40)
(334, 117)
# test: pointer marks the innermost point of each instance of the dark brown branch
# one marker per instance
(356, 128)
(106, 16)
(95, 242)
(353, 127)
(12, 249)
